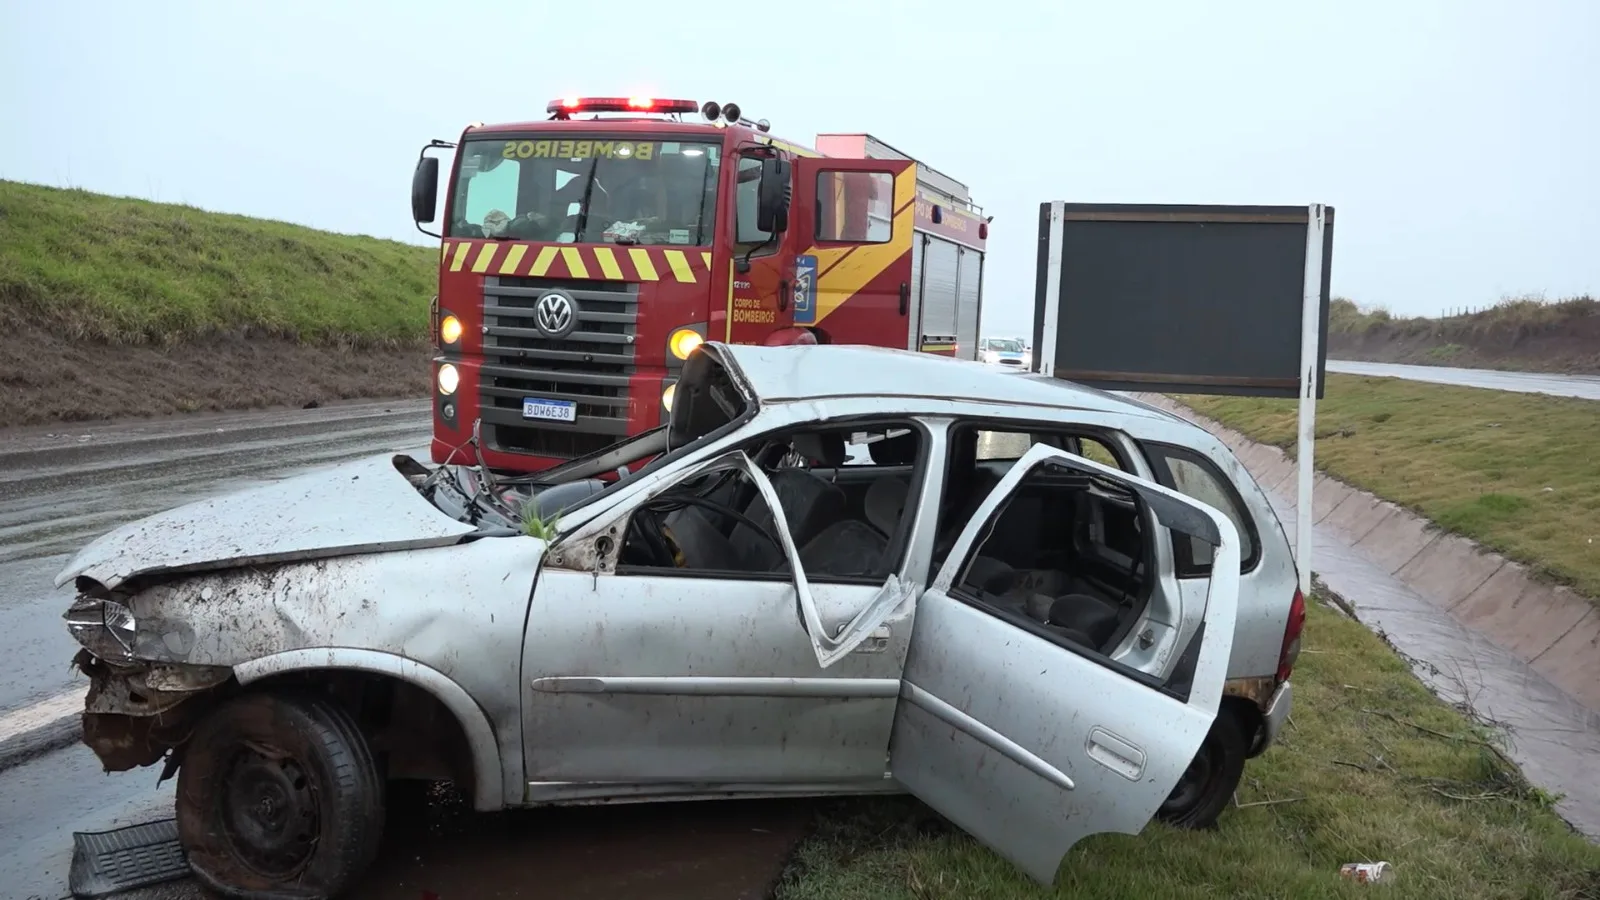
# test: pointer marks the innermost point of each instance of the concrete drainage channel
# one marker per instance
(1478, 628)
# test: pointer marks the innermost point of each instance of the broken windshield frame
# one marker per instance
(586, 189)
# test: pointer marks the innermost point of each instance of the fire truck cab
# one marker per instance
(585, 256)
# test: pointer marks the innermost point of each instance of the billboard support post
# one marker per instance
(1305, 450)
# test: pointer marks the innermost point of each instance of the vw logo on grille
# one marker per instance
(554, 314)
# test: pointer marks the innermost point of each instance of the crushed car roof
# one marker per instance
(801, 372)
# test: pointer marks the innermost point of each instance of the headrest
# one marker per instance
(825, 448)
(900, 450)
(885, 502)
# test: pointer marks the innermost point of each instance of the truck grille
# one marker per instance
(591, 366)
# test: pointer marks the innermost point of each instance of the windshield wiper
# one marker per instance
(583, 204)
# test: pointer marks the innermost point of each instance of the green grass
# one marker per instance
(1516, 472)
(1373, 767)
(131, 272)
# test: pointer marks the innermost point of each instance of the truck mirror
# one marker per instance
(774, 194)
(425, 189)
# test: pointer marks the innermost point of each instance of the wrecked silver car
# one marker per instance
(787, 591)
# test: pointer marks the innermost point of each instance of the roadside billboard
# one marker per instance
(1182, 298)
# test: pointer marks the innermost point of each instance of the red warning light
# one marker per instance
(621, 104)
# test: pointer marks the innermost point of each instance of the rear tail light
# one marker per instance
(1291, 636)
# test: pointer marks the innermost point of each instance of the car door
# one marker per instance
(655, 682)
(1031, 744)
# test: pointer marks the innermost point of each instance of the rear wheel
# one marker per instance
(1213, 775)
(279, 796)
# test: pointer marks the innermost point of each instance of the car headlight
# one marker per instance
(449, 329)
(104, 627)
(449, 379)
(684, 341)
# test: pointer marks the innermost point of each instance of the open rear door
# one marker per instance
(1031, 743)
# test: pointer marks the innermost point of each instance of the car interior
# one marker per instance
(843, 491)
(1068, 554)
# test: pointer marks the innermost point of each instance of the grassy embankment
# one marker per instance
(117, 307)
(1515, 472)
(1373, 767)
(1520, 333)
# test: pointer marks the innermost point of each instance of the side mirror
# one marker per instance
(773, 196)
(425, 190)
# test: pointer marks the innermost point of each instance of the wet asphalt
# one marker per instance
(1584, 387)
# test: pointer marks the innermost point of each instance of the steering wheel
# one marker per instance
(655, 539)
(652, 536)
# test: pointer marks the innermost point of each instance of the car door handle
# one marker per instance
(876, 642)
(783, 295)
(905, 297)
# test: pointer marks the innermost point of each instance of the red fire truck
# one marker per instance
(585, 256)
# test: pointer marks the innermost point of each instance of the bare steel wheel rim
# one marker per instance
(269, 812)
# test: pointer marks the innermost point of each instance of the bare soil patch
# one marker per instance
(46, 377)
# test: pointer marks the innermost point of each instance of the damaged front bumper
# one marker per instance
(136, 711)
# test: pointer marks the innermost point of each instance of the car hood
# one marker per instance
(365, 506)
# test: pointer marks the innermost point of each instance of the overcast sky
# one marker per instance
(1459, 140)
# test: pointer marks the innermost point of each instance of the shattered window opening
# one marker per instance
(1066, 556)
(848, 518)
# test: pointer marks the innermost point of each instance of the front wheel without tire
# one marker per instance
(1213, 775)
(279, 797)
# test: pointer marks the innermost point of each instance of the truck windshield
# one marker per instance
(586, 190)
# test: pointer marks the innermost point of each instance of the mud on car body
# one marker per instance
(785, 591)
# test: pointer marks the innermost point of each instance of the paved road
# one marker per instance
(60, 487)
(1586, 387)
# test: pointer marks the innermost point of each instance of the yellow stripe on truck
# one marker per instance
(513, 259)
(608, 263)
(642, 262)
(485, 257)
(541, 263)
(461, 256)
(574, 261)
(680, 266)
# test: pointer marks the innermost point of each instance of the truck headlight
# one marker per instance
(104, 627)
(684, 341)
(449, 329)
(449, 379)
(667, 395)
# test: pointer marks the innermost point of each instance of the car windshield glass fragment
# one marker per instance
(1005, 346)
(587, 190)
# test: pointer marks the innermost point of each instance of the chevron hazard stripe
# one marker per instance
(599, 263)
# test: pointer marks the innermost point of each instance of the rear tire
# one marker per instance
(1212, 777)
(279, 797)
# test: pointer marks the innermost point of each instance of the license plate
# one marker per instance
(549, 410)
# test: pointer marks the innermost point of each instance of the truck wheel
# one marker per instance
(1208, 784)
(279, 796)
